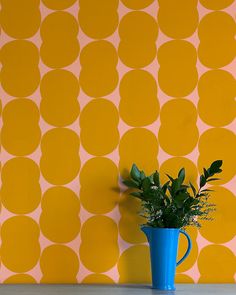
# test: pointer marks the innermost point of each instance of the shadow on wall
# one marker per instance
(134, 262)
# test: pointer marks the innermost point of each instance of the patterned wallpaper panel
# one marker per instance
(87, 88)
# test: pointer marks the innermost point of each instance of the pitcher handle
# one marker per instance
(188, 249)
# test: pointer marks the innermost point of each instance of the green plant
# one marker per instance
(173, 204)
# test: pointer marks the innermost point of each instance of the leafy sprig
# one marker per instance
(173, 204)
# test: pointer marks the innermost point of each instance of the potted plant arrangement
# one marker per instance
(169, 208)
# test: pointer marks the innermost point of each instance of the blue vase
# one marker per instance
(163, 244)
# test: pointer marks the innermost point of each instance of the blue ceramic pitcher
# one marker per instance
(163, 253)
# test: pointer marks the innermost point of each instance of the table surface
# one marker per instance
(181, 289)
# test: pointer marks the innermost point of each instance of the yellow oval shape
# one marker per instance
(20, 133)
(60, 162)
(20, 19)
(178, 74)
(218, 144)
(20, 74)
(99, 127)
(59, 104)
(131, 151)
(58, 5)
(98, 76)
(217, 91)
(20, 192)
(223, 217)
(134, 265)
(130, 221)
(59, 264)
(98, 19)
(215, 257)
(60, 46)
(217, 44)
(22, 231)
(20, 279)
(59, 220)
(101, 231)
(178, 19)
(139, 105)
(101, 197)
(178, 134)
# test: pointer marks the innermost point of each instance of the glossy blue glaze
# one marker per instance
(163, 252)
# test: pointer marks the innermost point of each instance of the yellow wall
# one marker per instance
(87, 88)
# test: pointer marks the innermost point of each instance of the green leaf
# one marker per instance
(135, 173)
(193, 188)
(215, 166)
(146, 184)
(150, 195)
(179, 200)
(206, 174)
(209, 172)
(175, 185)
(202, 180)
(207, 190)
(156, 178)
(151, 177)
(182, 188)
(167, 200)
(195, 201)
(192, 201)
(131, 183)
(181, 197)
(181, 175)
(142, 175)
(137, 195)
(212, 179)
(165, 186)
(179, 204)
(202, 194)
(171, 178)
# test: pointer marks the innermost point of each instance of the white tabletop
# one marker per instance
(181, 289)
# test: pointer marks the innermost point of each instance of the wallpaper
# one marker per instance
(89, 87)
